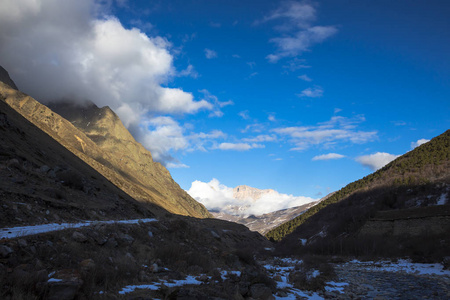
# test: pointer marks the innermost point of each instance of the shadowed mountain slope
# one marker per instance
(41, 181)
(114, 154)
(422, 170)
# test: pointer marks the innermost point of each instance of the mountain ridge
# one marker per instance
(427, 163)
(159, 187)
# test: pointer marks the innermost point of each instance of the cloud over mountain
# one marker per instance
(218, 197)
(74, 50)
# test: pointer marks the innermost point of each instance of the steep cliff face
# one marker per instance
(111, 150)
(4, 77)
(242, 192)
(131, 159)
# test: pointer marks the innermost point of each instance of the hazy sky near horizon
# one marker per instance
(302, 97)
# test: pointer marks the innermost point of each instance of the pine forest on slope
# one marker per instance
(425, 164)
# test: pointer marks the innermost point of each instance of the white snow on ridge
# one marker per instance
(14, 232)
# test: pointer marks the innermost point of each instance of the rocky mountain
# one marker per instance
(104, 143)
(394, 210)
(243, 192)
(247, 196)
(52, 174)
(264, 223)
(4, 77)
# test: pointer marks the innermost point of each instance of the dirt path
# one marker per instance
(14, 232)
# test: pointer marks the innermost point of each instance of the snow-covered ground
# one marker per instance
(14, 232)
(403, 265)
(154, 286)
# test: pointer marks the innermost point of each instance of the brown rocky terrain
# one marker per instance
(54, 173)
(112, 151)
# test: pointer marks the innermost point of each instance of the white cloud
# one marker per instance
(209, 98)
(337, 130)
(314, 92)
(237, 146)
(299, 33)
(162, 135)
(210, 53)
(305, 77)
(271, 118)
(218, 197)
(244, 115)
(299, 14)
(301, 41)
(418, 143)
(377, 160)
(261, 138)
(172, 165)
(328, 156)
(75, 50)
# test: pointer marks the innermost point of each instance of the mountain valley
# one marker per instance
(117, 226)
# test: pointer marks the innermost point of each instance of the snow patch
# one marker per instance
(190, 280)
(14, 232)
(335, 286)
(405, 266)
(442, 199)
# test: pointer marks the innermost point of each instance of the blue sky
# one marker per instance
(302, 97)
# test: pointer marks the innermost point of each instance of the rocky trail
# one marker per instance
(20, 231)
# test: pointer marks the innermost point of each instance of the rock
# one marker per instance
(154, 268)
(79, 237)
(44, 169)
(261, 291)
(5, 251)
(150, 234)
(142, 276)
(41, 275)
(87, 265)
(13, 163)
(64, 285)
(111, 243)
(282, 294)
(215, 235)
(21, 274)
(22, 243)
(203, 278)
(52, 174)
(125, 238)
(243, 287)
(100, 239)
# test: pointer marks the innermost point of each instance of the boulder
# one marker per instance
(79, 237)
(5, 251)
(64, 285)
(86, 265)
(261, 291)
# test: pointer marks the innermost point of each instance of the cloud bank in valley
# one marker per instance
(218, 197)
